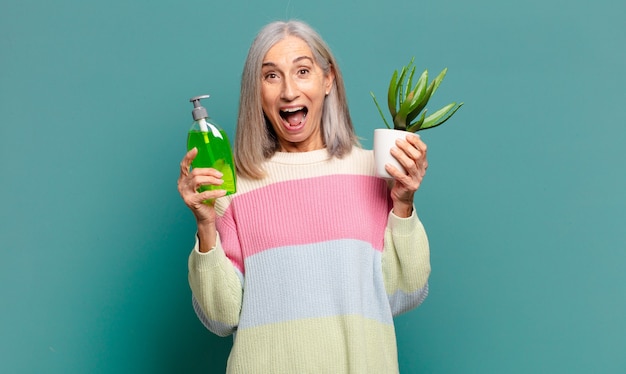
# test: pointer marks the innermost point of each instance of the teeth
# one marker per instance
(291, 110)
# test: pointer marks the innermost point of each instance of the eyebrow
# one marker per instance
(297, 59)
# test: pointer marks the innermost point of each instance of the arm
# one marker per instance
(216, 289)
(214, 282)
(406, 256)
(405, 262)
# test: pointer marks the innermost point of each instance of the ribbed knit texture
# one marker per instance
(310, 268)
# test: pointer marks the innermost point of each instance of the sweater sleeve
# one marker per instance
(216, 289)
(406, 262)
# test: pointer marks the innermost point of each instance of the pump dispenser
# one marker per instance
(213, 147)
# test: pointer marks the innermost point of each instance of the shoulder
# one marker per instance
(364, 155)
(359, 161)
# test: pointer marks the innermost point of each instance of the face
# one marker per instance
(293, 90)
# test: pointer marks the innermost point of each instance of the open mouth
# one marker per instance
(294, 116)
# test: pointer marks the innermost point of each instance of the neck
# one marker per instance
(306, 146)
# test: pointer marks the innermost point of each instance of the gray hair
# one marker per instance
(255, 139)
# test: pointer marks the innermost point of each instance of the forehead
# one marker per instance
(288, 49)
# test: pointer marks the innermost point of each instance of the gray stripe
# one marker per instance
(218, 328)
(342, 277)
(239, 275)
(403, 302)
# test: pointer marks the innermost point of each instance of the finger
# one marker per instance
(396, 173)
(198, 181)
(409, 149)
(416, 141)
(422, 148)
(407, 182)
(414, 169)
(209, 197)
(185, 164)
(407, 156)
(211, 194)
(196, 201)
(205, 172)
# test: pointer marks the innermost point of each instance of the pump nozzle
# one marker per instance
(198, 111)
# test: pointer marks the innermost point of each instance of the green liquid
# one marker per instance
(215, 153)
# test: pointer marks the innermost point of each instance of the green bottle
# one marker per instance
(213, 147)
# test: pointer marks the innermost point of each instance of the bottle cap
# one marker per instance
(198, 111)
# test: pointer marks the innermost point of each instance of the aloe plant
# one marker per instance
(407, 103)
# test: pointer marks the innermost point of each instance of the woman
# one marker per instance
(311, 259)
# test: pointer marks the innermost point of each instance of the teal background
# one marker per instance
(524, 201)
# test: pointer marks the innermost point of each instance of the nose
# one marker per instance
(290, 89)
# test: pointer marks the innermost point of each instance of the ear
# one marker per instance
(329, 80)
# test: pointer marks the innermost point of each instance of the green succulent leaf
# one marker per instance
(391, 94)
(409, 83)
(407, 103)
(399, 122)
(437, 81)
(416, 126)
(380, 111)
(420, 97)
(440, 116)
(421, 84)
(399, 86)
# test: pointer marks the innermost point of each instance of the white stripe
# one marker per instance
(342, 277)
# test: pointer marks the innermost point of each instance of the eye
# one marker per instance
(271, 76)
(303, 71)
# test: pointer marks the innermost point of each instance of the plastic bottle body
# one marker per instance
(213, 152)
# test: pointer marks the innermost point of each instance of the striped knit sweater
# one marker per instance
(310, 267)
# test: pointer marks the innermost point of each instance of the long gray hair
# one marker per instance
(255, 139)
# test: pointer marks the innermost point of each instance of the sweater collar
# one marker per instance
(301, 158)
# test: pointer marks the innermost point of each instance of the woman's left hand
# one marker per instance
(411, 154)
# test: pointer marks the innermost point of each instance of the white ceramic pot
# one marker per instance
(384, 139)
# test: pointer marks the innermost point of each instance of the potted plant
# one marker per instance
(407, 106)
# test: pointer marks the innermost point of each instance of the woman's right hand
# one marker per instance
(200, 203)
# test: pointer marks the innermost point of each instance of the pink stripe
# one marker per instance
(230, 239)
(306, 211)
